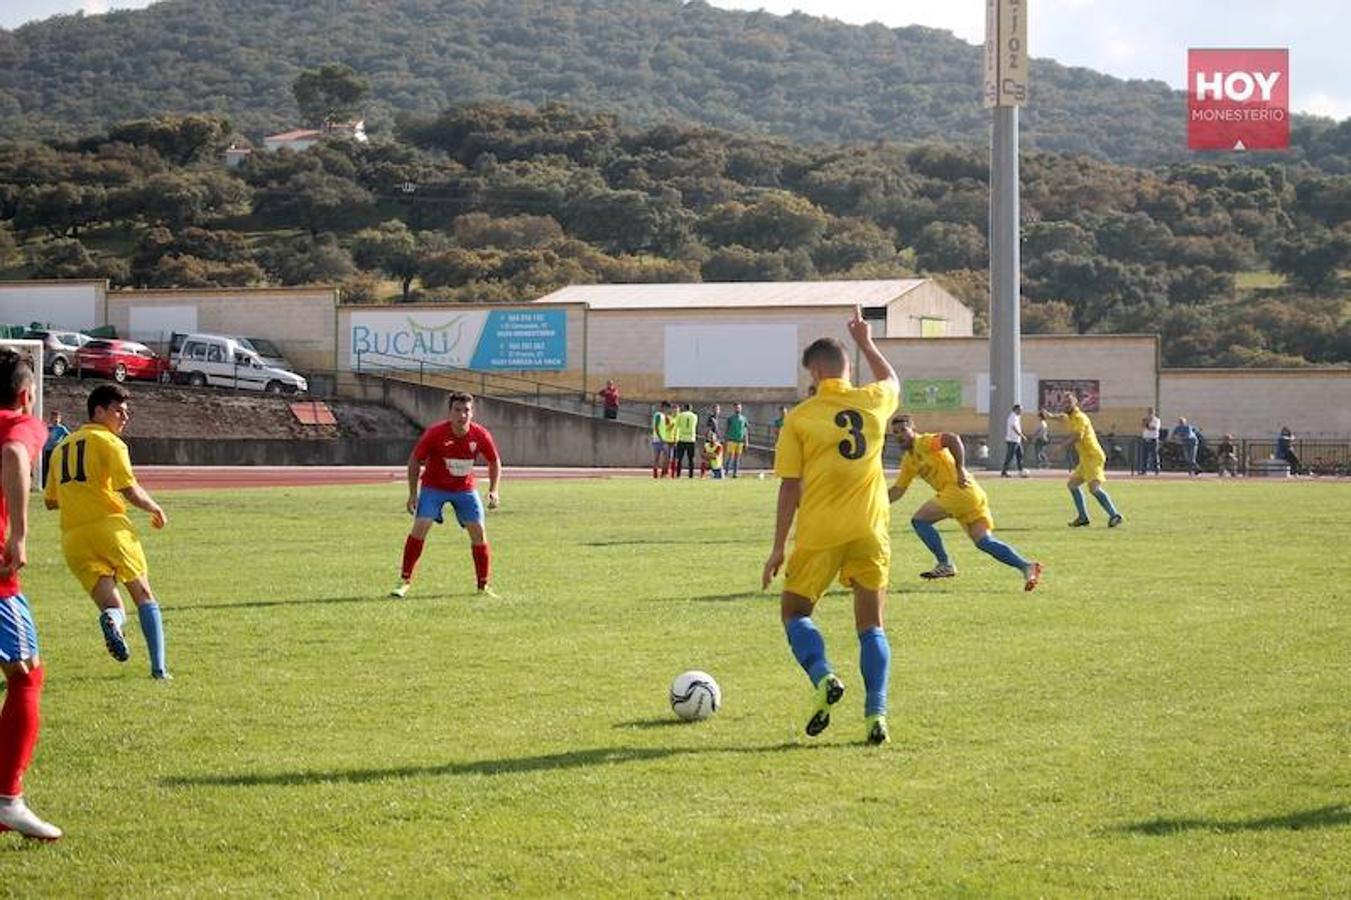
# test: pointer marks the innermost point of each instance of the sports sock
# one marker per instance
(412, 549)
(19, 728)
(1104, 501)
(1078, 495)
(1002, 552)
(152, 626)
(482, 562)
(932, 539)
(809, 648)
(118, 615)
(874, 661)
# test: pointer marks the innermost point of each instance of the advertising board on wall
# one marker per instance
(931, 393)
(484, 340)
(1052, 394)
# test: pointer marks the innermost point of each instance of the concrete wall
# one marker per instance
(528, 435)
(1124, 364)
(929, 301)
(1255, 403)
(301, 321)
(271, 452)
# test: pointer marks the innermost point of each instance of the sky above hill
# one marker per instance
(1138, 39)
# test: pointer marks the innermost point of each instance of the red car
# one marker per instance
(120, 360)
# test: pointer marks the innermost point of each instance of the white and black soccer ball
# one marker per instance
(695, 695)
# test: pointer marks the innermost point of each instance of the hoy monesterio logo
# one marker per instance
(1238, 99)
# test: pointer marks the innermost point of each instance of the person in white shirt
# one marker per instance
(1013, 442)
(1149, 442)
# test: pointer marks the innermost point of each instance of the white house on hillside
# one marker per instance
(304, 138)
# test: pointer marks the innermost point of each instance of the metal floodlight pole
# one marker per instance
(1006, 364)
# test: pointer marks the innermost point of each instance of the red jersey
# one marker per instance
(449, 458)
(16, 427)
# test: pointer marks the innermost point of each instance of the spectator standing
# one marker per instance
(714, 421)
(1186, 435)
(1149, 442)
(1285, 449)
(777, 424)
(661, 451)
(1226, 457)
(1041, 439)
(687, 432)
(55, 432)
(738, 434)
(1013, 442)
(609, 399)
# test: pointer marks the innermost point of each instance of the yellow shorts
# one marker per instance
(103, 548)
(735, 447)
(865, 562)
(967, 505)
(1091, 468)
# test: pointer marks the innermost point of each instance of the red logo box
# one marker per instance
(1238, 99)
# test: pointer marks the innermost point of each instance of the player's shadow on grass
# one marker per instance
(599, 756)
(267, 604)
(1323, 817)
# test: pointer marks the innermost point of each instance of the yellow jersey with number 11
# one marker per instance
(89, 470)
(833, 443)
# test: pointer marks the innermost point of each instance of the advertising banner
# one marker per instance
(1005, 52)
(485, 340)
(1238, 99)
(931, 393)
(1052, 394)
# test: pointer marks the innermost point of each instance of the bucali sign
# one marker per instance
(1238, 99)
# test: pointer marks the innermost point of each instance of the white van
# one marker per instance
(212, 359)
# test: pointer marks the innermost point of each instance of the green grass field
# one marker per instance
(1167, 716)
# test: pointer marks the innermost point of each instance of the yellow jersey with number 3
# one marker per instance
(833, 443)
(88, 471)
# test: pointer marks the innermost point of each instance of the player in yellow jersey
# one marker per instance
(940, 460)
(829, 457)
(91, 482)
(1092, 464)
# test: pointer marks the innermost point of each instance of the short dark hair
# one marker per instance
(106, 395)
(16, 373)
(460, 397)
(824, 351)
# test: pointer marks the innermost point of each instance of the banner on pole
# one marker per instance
(1005, 52)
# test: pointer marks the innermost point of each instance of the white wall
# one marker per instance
(70, 305)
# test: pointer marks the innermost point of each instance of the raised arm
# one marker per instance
(862, 333)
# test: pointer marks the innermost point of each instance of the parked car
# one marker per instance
(213, 359)
(58, 348)
(121, 360)
(268, 352)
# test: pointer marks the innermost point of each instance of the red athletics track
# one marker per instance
(160, 478)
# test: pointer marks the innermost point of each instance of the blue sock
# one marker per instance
(874, 660)
(1105, 501)
(152, 626)
(1002, 552)
(809, 648)
(932, 539)
(1078, 495)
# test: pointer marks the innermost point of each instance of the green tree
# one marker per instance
(390, 248)
(942, 246)
(315, 200)
(307, 260)
(178, 139)
(1314, 257)
(332, 93)
(68, 258)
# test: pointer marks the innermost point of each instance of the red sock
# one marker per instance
(481, 562)
(412, 550)
(19, 729)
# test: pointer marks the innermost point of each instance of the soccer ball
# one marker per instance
(695, 695)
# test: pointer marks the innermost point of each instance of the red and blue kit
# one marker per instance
(449, 458)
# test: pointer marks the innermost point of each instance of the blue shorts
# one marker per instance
(18, 634)
(468, 507)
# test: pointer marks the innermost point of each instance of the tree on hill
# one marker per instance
(178, 139)
(332, 93)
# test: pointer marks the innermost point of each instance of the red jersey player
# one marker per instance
(444, 461)
(21, 439)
